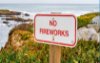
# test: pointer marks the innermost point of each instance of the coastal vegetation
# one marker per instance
(22, 48)
(85, 19)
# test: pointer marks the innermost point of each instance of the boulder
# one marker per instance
(96, 20)
(6, 22)
(87, 34)
(96, 27)
(95, 23)
(26, 14)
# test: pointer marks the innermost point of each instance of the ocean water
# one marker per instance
(50, 7)
(32, 9)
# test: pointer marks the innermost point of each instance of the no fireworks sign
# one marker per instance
(56, 29)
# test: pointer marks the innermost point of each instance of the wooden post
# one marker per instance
(55, 51)
(55, 54)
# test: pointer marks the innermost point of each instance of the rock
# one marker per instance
(16, 13)
(6, 22)
(8, 12)
(96, 20)
(26, 14)
(96, 27)
(82, 34)
(95, 23)
(18, 19)
(14, 16)
(87, 34)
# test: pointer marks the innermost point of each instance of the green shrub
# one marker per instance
(25, 36)
(85, 19)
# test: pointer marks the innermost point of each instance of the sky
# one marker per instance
(52, 1)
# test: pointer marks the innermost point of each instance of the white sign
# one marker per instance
(55, 29)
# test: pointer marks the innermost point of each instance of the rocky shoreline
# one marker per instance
(10, 19)
(8, 12)
(90, 31)
(8, 15)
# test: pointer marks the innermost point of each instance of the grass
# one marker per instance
(32, 52)
(83, 51)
